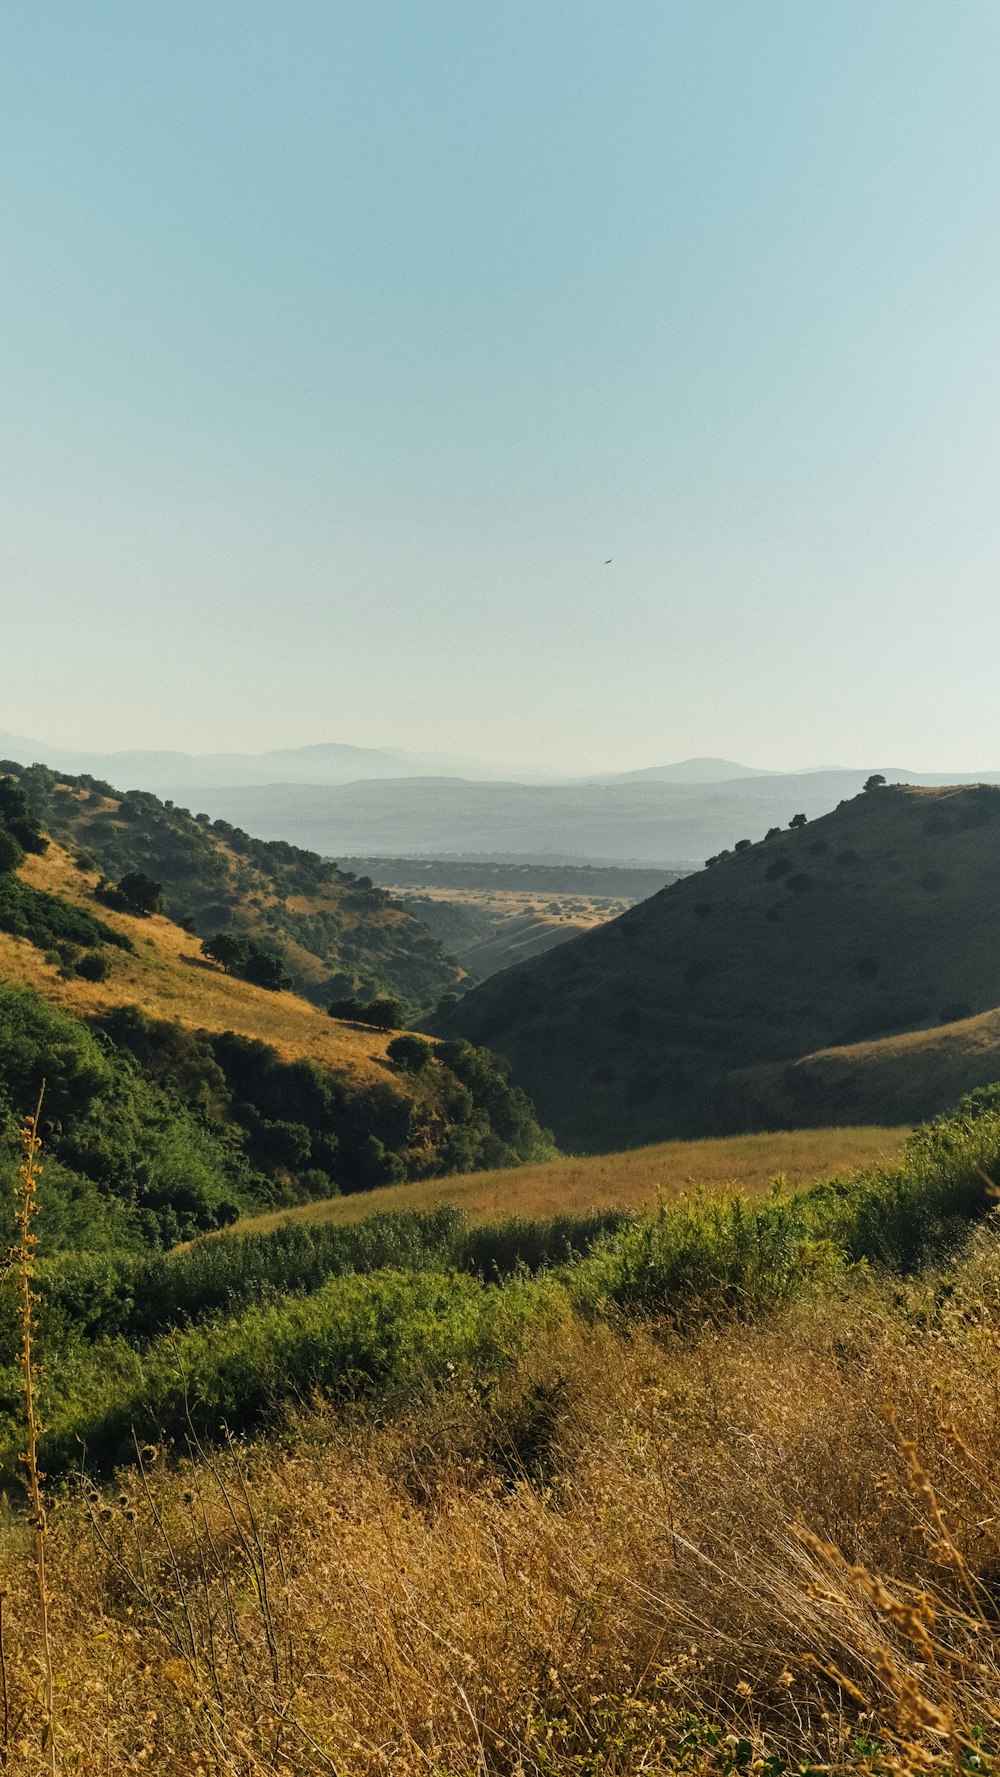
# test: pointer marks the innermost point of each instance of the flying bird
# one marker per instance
(609, 561)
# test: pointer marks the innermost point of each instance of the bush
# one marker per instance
(92, 966)
(380, 1336)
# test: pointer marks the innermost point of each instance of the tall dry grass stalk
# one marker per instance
(24, 1257)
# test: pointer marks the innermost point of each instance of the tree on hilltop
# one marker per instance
(875, 782)
(797, 820)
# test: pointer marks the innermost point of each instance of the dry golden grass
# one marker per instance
(169, 978)
(634, 1179)
(904, 1072)
(630, 1555)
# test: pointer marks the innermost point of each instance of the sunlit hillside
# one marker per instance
(167, 976)
(335, 932)
(636, 1179)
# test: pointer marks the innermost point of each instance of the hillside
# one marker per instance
(178, 1097)
(336, 934)
(638, 1179)
(877, 920)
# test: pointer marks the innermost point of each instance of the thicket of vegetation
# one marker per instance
(359, 1312)
(333, 934)
(155, 1133)
(708, 1491)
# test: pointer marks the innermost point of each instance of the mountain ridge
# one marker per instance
(876, 920)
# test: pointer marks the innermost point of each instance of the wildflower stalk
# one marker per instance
(24, 1254)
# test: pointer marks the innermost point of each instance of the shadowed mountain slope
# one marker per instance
(879, 919)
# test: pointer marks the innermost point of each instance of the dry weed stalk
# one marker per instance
(24, 1257)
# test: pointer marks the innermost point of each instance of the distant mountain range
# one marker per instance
(165, 773)
(340, 800)
(648, 823)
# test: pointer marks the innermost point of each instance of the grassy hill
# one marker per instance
(862, 933)
(638, 1179)
(336, 933)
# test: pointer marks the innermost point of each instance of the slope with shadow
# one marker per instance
(859, 935)
(335, 933)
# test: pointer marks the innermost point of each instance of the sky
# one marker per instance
(343, 342)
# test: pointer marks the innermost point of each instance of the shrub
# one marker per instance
(797, 820)
(93, 966)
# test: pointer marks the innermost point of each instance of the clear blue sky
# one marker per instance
(341, 341)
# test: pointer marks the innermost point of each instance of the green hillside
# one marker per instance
(178, 1097)
(335, 933)
(877, 920)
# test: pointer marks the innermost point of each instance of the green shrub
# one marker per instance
(381, 1336)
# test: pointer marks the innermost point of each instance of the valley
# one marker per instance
(319, 1312)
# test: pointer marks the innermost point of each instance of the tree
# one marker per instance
(247, 959)
(797, 820)
(743, 845)
(228, 950)
(772, 833)
(11, 854)
(136, 893)
(875, 782)
(410, 1054)
(264, 969)
(16, 817)
(383, 1013)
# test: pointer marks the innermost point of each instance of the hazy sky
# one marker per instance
(341, 341)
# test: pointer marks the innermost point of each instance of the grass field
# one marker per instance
(632, 1180)
(168, 977)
